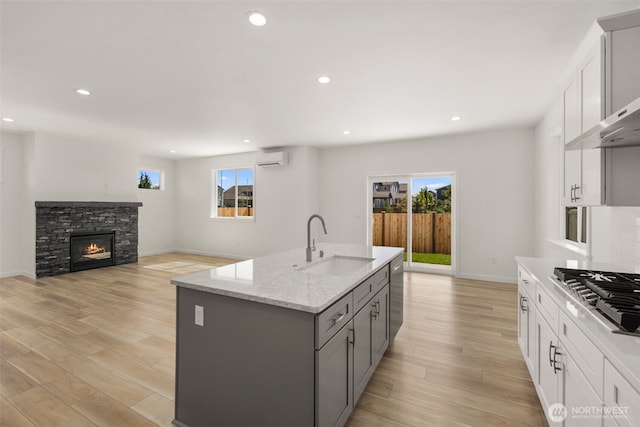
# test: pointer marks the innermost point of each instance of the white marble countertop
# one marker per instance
(278, 279)
(623, 351)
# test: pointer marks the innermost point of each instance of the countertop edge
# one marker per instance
(181, 282)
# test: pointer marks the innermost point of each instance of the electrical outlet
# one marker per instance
(199, 315)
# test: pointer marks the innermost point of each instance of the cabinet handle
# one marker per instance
(338, 317)
(571, 194)
(556, 353)
(616, 393)
(575, 191)
(374, 312)
(352, 336)
(523, 299)
(551, 347)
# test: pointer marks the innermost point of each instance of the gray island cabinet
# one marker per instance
(275, 342)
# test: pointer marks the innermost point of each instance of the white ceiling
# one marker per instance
(197, 78)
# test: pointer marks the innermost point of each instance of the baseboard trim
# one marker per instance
(5, 274)
(488, 278)
(213, 254)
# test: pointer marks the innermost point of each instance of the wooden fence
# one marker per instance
(431, 231)
(242, 211)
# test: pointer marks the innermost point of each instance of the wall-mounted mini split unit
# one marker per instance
(278, 158)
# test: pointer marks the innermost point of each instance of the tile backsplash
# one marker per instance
(624, 237)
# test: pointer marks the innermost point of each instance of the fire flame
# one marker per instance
(94, 249)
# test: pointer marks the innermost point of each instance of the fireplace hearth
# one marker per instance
(92, 250)
(58, 222)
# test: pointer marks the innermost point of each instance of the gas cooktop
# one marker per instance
(615, 295)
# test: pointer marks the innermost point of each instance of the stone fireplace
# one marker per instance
(73, 236)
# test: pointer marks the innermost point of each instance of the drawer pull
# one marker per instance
(523, 299)
(338, 317)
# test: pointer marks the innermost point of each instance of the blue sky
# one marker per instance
(226, 178)
(432, 183)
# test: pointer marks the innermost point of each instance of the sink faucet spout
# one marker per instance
(309, 247)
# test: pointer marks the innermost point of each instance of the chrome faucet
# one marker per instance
(309, 247)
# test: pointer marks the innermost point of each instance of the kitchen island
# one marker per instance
(279, 341)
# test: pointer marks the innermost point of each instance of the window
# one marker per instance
(576, 224)
(233, 193)
(150, 179)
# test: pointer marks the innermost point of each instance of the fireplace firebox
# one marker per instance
(92, 250)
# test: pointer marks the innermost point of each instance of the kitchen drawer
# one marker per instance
(333, 318)
(526, 282)
(620, 399)
(363, 293)
(583, 351)
(547, 307)
(381, 278)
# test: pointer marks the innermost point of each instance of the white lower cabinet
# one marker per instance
(526, 328)
(621, 400)
(582, 403)
(547, 380)
(566, 367)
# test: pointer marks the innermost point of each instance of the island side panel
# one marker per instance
(250, 364)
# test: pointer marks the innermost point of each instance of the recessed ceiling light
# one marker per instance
(248, 141)
(324, 80)
(346, 132)
(7, 119)
(172, 151)
(257, 18)
(456, 118)
(83, 92)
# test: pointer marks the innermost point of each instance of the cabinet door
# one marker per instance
(590, 79)
(547, 377)
(570, 130)
(334, 379)
(523, 325)
(363, 363)
(622, 400)
(578, 397)
(380, 324)
(571, 111)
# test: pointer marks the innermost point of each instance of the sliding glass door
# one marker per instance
(414, 212)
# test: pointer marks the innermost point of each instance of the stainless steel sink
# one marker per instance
(338, 265)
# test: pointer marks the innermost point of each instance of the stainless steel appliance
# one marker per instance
(615, 296)
(396, 296)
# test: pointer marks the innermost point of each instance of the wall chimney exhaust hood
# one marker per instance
(621, 129)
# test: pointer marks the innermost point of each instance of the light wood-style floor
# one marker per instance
(98, 348)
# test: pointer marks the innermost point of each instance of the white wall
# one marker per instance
(494, 192)
(80, 170)
(157, 219)
(284, 197)
(11, 204)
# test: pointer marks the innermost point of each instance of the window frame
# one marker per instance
(215, 194)
(583, 229)
(160, 171)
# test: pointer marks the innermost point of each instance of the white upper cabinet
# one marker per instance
(583, 108)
